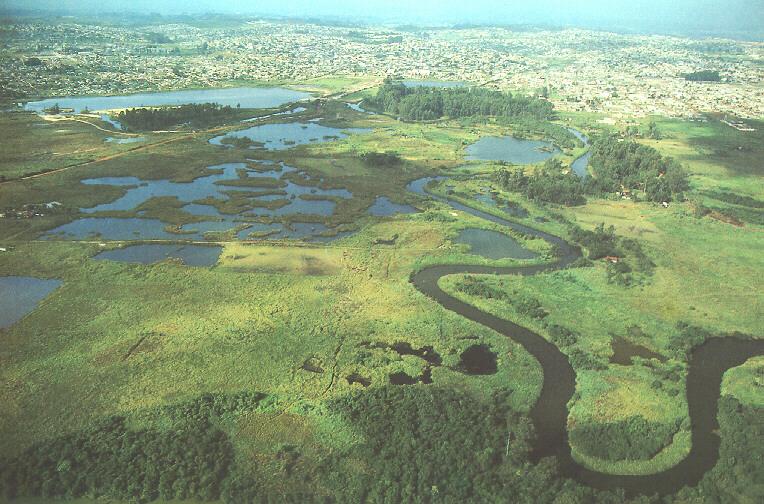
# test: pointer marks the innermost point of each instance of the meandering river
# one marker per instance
(707, 365)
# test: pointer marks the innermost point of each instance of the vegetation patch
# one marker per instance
(633, 438)
(429, 103)
(194, 116)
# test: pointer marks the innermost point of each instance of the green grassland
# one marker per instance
(708, 274)
(32, 144)
(294, 321)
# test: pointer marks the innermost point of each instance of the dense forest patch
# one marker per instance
(618, 166)
(429, 103)
(193, 115)
(634, 438)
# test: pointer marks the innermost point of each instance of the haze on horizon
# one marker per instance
(699, 17)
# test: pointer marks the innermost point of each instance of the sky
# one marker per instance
(661, 16)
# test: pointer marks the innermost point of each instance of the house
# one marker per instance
(612, 259)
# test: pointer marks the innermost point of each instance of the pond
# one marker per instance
(244, 96)
(191, 255)
(292, 198)
(511, 149)
(109, 228)
(624, 351)
(20, 296)
(493, 245)
(383, 207)
(144, 190)
(478, 360)
(401, 378)
(287, 135)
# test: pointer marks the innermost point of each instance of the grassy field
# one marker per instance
(295, 321)
(708, 274)
(32, 144)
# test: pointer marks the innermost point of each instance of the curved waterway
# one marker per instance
(706, 367)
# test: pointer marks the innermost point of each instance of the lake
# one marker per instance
(287, 135)
(493, 245)
(20, 296)
(191, 255)
(244, 96)
(511, 149)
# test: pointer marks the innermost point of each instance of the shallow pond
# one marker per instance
(383, 207)
(493, 245)
(478, 360)
(401, 378)
(287, 135)
(213, 186)
(512, 150)
(200, 188)
(294, 198)
(246, 97)
(191, 255)
(20, 296)
(624, 351)
(109, 228)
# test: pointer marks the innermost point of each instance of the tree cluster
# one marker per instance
(633, 438)
(603, 242)
(195, 115)
(626, 165)
(430, 103)
(115, 461)
(192, 458)
(381, 159)
(549, 184)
